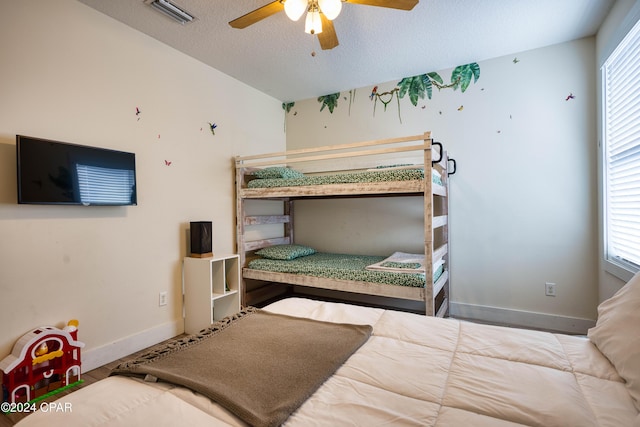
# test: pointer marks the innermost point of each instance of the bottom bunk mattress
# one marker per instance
(411, 371)
(344, 267)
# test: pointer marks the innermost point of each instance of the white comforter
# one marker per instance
(413, 371)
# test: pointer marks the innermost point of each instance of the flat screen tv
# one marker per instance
(58, 173)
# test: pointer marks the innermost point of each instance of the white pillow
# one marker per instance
(617, 334)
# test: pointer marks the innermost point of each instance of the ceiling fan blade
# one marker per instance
(258, 14)
(327, 38)
(393, 4)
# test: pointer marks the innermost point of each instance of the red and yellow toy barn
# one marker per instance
(43, 360)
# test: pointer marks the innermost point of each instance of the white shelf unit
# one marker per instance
(211, 290)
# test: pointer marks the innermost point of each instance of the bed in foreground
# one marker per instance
(411, 370)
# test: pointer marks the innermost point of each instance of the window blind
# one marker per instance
(104, 186)
(621, 74)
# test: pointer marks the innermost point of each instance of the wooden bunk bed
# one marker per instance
(329, 160)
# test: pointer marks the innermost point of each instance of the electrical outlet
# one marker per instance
(550, 289)
(162, 299)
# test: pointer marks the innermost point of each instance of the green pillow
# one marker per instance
(278, 172)
(285, 252)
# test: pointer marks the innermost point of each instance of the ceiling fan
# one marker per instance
(320, 14)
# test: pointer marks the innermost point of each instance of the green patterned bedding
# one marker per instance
(344, 178)
(341, 266)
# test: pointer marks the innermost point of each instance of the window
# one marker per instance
(621, 124)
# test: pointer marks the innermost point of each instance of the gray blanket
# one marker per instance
(259, 365)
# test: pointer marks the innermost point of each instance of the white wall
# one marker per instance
(71, 74)
(523, 203)
(622, 17)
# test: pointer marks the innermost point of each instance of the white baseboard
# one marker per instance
(519, 318)
(99, 356)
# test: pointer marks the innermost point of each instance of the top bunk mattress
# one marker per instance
(368, 176)
(343, 267)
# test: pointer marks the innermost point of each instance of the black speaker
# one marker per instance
(201, 239)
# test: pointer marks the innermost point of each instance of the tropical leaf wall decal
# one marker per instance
(437, 80)
(416, 87)
(462, 74)
(330, 101)
(419, 86)
(287, 106)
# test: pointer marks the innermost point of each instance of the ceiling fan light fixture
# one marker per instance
(313, 24)
(330, 8)
(295, 8)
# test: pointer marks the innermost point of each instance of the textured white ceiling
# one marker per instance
(376, 44)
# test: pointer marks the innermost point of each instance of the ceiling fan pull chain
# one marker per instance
(313, 50)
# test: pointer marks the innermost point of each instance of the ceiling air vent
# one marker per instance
(171, 10)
